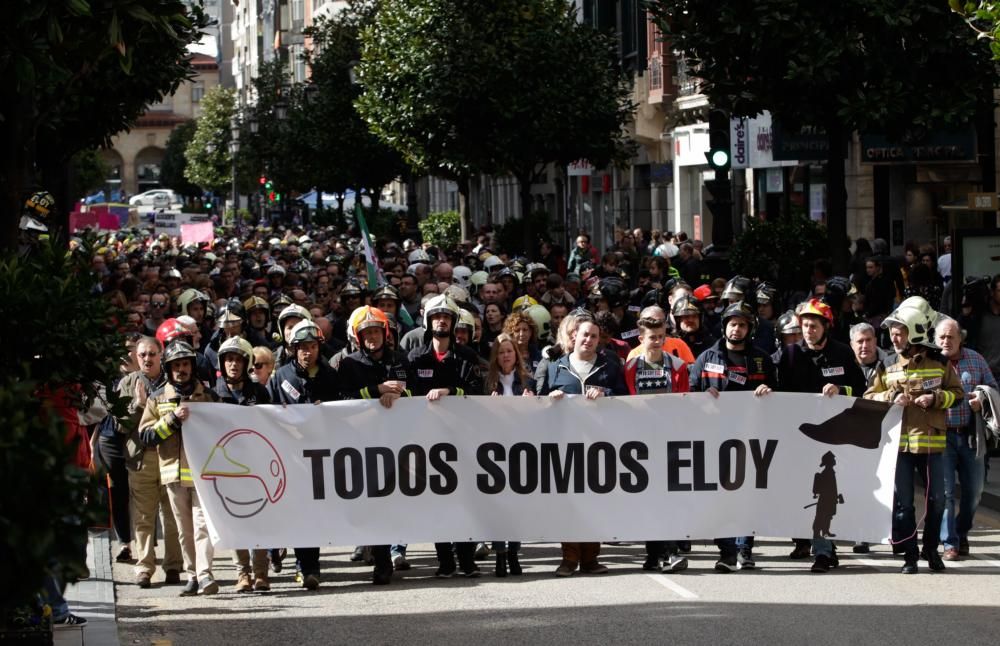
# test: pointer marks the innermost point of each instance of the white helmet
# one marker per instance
(418, 255)
(919, 319)
(461, 276)
(492, 263)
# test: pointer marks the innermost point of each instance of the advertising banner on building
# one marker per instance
(170, 223)
(491, 468)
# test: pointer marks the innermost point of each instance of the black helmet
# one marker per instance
(738, 288)
(837, 289)
(656, 297)
(350, 289)
(385, 292)
(612, 289)
(686, 306)
(743, 310)
(766, 293)
(175, 351)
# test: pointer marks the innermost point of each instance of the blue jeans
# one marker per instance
(960, 457)
(398, 550)
(52, 594)
(904, 521)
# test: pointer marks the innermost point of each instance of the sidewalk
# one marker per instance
(93, 599)
(991, 493)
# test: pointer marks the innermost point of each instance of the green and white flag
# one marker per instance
(375, 277)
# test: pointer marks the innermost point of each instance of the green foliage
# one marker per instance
(174, 161)
(329, 125)
(59, 339)
(88, 171)
(79, 72)
(984, 18)
(442, 229)
(511, 236)
(864, 66)
(487, 86)
(209, 162)
(780, 250)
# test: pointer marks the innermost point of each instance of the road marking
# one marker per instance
(673, 586)
(985, 559)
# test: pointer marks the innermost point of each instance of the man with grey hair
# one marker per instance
(870, 357)
(962, 454)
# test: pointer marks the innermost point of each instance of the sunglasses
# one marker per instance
(258, 366)
(158, 305)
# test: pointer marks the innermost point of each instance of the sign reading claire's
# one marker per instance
(517, 468)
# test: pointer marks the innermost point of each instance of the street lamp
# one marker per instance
(234, 148)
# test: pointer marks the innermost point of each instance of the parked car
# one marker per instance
(157, 198)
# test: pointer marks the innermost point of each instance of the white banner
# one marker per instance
(489, 468)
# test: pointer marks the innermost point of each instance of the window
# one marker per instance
(197, 91)
(298, 10)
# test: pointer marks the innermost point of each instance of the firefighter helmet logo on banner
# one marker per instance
(246, 471)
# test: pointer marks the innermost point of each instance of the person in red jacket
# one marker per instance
(651, 372)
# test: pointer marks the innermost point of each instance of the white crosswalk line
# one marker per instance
(673, 586)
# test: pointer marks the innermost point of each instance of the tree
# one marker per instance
(88, 172)
(353, 157)
(209, 161)
(892, 67)
(505, 86)
(80, 71)
(172, 171)
(984, 18)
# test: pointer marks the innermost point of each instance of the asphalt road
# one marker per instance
(864, 602)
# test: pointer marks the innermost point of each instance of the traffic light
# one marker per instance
(270, 196)
(263, 180)
(720, 204)
(719, 153)
(268, 185)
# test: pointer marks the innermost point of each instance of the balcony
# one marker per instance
(689, 94)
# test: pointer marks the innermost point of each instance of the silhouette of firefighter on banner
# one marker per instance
(827, 497)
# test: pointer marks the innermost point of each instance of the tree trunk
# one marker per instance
(836, 211)
(15, 160)
(463, 207)
(524, 193)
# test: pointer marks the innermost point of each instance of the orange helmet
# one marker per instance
(170, 330)
(815, 307)
(366, 317)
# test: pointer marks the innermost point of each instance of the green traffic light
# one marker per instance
(718, 158)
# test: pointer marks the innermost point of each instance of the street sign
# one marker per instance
(982, 201)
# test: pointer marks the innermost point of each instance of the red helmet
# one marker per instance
(169, 330)
(815, 307)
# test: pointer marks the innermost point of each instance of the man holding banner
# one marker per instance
(820, 364)
(734, 363)
(438, 368)
(926, 387)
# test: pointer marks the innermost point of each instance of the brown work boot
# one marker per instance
(593, 568)
(566, 568)
(243, 584)
(951, 554)
(261, 584)
(143, 580)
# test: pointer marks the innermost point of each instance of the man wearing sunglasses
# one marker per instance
(156, 313)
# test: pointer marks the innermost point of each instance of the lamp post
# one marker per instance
(234, 148)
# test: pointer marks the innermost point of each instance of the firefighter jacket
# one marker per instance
(293, 384)
(807, 371)
(924, 430)
(718, 368)
(361, 375)
(252, 393)
(458, 370)
(159, 427)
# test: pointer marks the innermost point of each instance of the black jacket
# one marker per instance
(806, 371)
(714, 369)
(251, 395)
(458, 371)
(291, 384)
(361, 375)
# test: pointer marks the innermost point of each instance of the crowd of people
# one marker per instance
(286, 315)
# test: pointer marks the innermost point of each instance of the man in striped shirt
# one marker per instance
(961, 455)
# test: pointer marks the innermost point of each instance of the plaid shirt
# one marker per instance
(972, 368)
